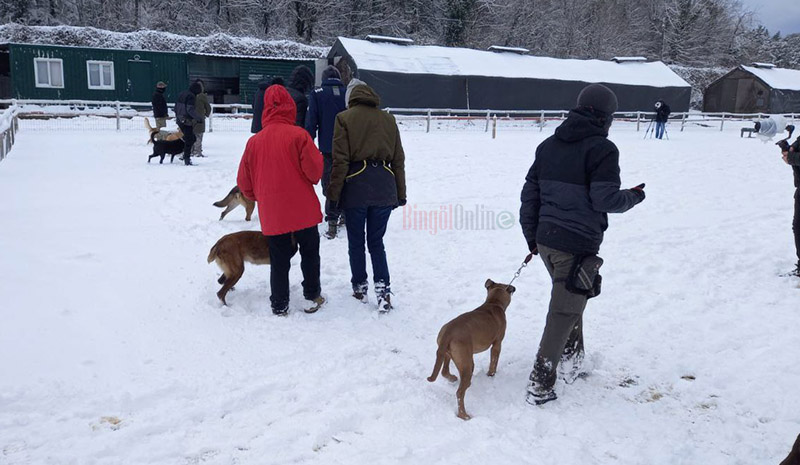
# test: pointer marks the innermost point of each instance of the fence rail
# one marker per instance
(63, 114)
(9, 125)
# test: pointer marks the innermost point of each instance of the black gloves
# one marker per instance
(534, 249)
(639, 192)
(402, 202)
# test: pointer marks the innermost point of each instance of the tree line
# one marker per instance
(688, 32)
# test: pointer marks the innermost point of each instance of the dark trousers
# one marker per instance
(660, 128)
(373, 221)
(796, 224)
(188, 140)
(281, 250)
(332, 213)
(563, 332)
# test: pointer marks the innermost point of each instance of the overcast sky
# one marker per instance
(777, 15)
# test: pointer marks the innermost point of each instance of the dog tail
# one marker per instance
(228, 198)
(212, 254)
(437, 367)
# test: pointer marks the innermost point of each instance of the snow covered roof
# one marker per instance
(501, 48)
(777, 78)
(449, 61)
(250, 57)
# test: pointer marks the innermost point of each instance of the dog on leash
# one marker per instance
(794, 456)
(233, 250)
(164, 142)
(469, 334)
(233, 200)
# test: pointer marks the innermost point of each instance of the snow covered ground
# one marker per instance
(114, 349)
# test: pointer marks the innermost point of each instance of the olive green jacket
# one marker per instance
(203, 110)
(365, 132)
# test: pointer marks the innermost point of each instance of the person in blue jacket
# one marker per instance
(323, 105)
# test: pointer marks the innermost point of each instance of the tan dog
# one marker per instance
(233, 250)
(161, 134)
(470, 333)
(233, 200)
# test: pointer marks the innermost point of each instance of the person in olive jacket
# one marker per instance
(160, 105)
(203, 109)
(368, 181)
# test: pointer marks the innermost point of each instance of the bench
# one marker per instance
(749, 131)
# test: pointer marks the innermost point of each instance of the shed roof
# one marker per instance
(449, 61)
(777, 78)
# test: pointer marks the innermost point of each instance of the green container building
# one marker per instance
(50, 72)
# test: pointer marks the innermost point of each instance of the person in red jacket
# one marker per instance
(278, 170)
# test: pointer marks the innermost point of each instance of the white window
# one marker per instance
(49, 72)
(100, 74)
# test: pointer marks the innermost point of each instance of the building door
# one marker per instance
(140, 81)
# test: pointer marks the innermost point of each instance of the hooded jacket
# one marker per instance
(279, 168)
(301, 82)
(159, 104)
(362, 133)
(662, 112)
(323, 106)
(794, 160)
(203, 110)
(572, 186)
(185, 112)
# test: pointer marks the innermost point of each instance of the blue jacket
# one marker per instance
(323, 105)
(572, 186)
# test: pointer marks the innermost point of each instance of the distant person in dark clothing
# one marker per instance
(792, 157)
(301, 82)
(203, 110)
(258, 102)
(569, 191)
(662, 116)
(186, 116)
(323, 106)
(160, 105)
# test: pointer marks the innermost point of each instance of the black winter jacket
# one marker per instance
(159, 104)
(323, 106)
(258, 106)
(572, 186)
(301, 83)
(663, 112)
(185, 112)
(794, 160)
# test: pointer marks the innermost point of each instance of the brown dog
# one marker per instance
(470, 333)
(794, 455)
(230, 253)
(233, 200)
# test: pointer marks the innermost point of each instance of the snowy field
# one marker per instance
(115, 350)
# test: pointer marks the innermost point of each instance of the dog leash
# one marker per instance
(519, 271)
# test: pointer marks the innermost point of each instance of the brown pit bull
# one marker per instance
(794, 455)
(470, 333)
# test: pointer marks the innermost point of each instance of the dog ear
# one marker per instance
(489, 283)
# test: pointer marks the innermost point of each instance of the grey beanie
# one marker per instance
(330, 72)
(599, 98)
(350, 85)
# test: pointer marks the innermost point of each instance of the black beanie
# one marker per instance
(330, 72)
(598, 97)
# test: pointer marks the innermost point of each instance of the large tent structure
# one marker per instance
(415, 76)
(760, 88)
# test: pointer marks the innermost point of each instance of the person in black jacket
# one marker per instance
(185, 116)
(258, 102)
(792, 157)
(323, 106)
(301, 82)
(160, 105)
(662, 116)
(569, 191)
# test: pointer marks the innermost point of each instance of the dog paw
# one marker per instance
(491, 373)
(451, 378)
(464, 416)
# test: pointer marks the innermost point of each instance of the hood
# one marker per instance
(330, 72)
(302, 79)
(580, 124)
(278, 106)
(195, 88)
(363, 94)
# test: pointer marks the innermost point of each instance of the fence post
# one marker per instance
(117, 107)
(683, 121)
(541, 121)
(428, 125)
(488, 118)
(494, 127)
(638, 120)
(722, 122)
(211, 121)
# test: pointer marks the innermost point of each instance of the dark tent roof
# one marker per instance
(409, 76)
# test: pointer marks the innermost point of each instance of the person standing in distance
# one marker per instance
(569, 191)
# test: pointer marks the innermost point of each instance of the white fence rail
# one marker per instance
(105, 115)
(9, 125)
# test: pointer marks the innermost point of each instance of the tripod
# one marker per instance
(651, 130)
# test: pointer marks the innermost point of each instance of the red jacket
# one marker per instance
(279, 168)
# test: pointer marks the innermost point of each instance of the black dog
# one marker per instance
(163, 147)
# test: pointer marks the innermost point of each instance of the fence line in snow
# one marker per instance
(9, 125)
(232, 117)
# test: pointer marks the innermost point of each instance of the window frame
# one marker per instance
(49, 84)
(100, 63)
